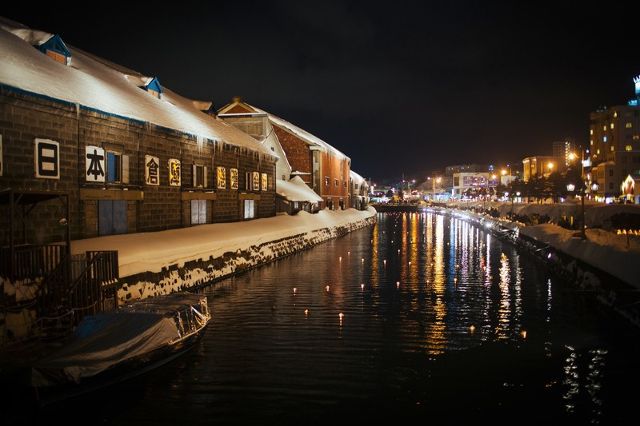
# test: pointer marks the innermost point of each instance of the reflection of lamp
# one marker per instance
(594, 187)
(571, 187)
(550, 165)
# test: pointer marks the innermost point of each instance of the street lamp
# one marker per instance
(571, 187)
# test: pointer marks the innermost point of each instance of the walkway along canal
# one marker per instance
(440, 320)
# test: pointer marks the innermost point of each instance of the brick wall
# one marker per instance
(25, 117)
(297, 151)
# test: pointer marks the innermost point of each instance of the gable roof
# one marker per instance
(237, 106)
(154, 84)
(97, 84)
(56, 44)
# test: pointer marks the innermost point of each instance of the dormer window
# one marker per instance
(56, 49)
(154, 87)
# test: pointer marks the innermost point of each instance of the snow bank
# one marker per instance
(603, 250)
(153, 251)
(596, 214)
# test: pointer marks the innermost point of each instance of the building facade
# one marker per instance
(614, 145)
(539, 166)
(121, 173)
(318, 164)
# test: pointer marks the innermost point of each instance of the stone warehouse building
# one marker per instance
(129, 154)
(318, 164)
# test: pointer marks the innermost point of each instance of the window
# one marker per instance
(604, 128)
(612, 126)
(591, 131)
(199, 176)
(628, 125)
(610, 172)
(604, 139)
(117, 167)
(198, 212)
(610, 185)
(611, 148)
(221, 178)
(591, 142)
(335, 181)
(233, 177)
(247, 181)
(344, 183)
(326, 181)
(249, 209)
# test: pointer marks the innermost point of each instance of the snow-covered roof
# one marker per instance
(303, 134)
(96, 83)
(356, 178)
(280, 122)
(296, 190)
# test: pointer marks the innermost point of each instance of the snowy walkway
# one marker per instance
(151, 251)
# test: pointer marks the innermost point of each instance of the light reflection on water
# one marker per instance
(450, 338)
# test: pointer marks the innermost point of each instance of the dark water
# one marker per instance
(451, 325)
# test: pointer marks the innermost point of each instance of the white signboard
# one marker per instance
(47, 159)
(151, 170)
(94, 164)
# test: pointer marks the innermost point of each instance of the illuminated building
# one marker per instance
(539, 166)
(614, 144)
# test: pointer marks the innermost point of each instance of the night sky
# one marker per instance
(400, 87)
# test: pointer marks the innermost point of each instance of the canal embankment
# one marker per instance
(152, 264)
(604, 262)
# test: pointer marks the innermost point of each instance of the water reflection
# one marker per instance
(451, 331)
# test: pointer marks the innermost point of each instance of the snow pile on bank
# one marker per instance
(603, 250)
(596, 214)
(152, 251)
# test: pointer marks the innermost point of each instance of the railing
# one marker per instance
(81, 285)
(30, 261)
(95, 288)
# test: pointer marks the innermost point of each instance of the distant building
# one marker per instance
(614, 145)
(565, 151)
(318, 164)
(359, 191)
(539, 166)
(472, 183)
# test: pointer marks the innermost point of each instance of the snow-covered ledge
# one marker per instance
(155, 263)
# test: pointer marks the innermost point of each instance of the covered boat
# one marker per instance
(113, 346)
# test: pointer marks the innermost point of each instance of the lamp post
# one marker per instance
(571, 187)
(435, 181)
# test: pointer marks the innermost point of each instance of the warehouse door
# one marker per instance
(112, 217)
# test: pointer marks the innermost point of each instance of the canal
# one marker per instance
(440, 320)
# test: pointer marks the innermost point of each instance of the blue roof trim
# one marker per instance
(154, 84)
(17, 90)
(56, 44)
(13, 89)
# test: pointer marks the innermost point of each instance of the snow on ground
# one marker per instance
(152, 251)
(596, 214)
(602, 249)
